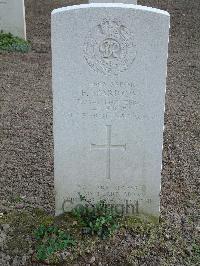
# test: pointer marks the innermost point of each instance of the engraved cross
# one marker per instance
(108, 146)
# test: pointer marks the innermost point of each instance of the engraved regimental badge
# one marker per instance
(109, 47)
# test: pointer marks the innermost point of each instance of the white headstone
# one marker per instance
(133, 2)
(12, 17)
(109, 72)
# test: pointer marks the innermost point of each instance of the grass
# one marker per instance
(49, 240)
(96, 219)
(48, 236)
(11, 43)
(90, 231)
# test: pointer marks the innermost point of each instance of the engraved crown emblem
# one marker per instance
(110, 47)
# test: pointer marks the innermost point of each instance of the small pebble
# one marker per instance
(92, 260)
(5, 227)
(19, 206)
(198, 228)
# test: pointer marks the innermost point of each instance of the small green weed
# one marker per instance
(50, 240)
(10, 43)
(17, 199)
(195, 253)
(98, 219)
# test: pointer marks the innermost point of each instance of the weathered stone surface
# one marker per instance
(133, 2)
(109, 71)
(12, 17)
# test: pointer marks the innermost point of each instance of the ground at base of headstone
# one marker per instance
(33, 237)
